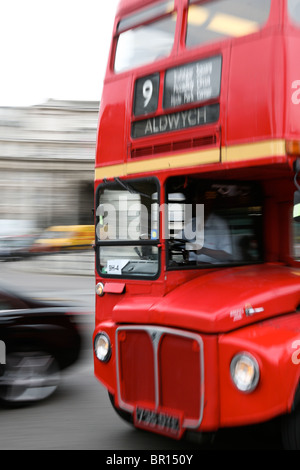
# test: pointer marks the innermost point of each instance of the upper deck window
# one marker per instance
(145, 36)
(214, 20)
(294, 10)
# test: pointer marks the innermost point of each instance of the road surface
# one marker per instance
(79, 416)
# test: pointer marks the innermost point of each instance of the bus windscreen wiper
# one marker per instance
(129, 188)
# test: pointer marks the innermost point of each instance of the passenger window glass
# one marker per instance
(212, 222)
(134, 37)
(296, 222)
(296, 240)
(211, 21)
(294, 11)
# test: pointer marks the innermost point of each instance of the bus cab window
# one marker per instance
(221, 19)
(127, 236)
(216, 223)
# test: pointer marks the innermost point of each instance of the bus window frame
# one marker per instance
(155, 242)
(293, 259)
(274, 19)
(224, 39)
(290, 19)
(146, 21)
(117, 33)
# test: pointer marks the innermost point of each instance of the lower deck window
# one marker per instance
(296, 240)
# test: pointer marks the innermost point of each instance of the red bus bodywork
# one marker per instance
(173, 338)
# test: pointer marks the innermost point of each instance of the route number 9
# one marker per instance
(147, 92)
(146, 95)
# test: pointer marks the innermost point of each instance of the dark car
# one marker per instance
(37, 341)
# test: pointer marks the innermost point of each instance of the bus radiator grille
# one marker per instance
(160, 368)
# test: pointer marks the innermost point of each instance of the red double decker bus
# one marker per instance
(197, 234)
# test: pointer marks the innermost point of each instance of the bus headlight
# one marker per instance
(244, 371)
(102, 347)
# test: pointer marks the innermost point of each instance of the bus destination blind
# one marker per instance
(192, 83)
(188, 84)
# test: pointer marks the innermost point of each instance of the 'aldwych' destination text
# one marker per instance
(176, 121)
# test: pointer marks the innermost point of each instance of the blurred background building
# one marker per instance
(47, 155)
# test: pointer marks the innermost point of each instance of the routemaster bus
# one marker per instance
(197, 248)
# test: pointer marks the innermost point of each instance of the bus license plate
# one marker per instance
(160, 422)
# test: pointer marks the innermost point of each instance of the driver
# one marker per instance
(212, 240)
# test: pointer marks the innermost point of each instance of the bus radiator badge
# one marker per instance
(248, 311)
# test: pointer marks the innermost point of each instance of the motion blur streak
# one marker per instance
(47, 156)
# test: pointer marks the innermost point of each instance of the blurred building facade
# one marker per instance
(47, 155)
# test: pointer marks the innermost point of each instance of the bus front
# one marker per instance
(197, 275)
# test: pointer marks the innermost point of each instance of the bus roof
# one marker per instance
(126, 6)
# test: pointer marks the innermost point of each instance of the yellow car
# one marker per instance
(65, 237)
